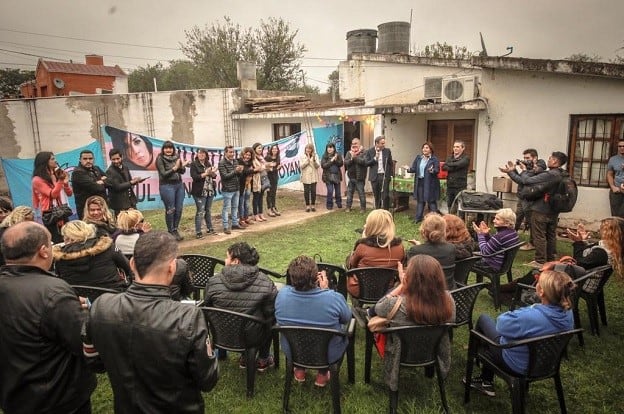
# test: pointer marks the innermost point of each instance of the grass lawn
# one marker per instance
(590, 377)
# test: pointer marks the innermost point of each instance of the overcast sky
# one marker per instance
(535, 28)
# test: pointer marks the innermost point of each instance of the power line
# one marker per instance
(29, 54)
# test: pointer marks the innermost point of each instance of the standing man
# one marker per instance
(523, 209)
(355, 165)
(615, 178)
(121, 194)
(156, 351)
(87, 180)
(42, 369)
(457, 166)
(230, 171)
(543, 217)
(379, 159)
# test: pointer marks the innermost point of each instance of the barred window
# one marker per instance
(593, 140)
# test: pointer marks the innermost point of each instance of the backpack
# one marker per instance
(480, 201)
(563, 197)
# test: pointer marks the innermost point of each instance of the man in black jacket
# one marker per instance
(42, 369)
(543, 217)
(156, 351)
(355, 166)
(87, 180)
(381, 170)
(121, 195)
(457, 166)
(230, 171)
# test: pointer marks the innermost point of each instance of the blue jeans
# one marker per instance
(230, 204)
(172, 196)
(351, 188)
(203, 206)
(487, 326)
(243, 203)
(333, 191)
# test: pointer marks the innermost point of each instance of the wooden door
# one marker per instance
(442, 134)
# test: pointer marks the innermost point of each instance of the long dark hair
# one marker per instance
(270, 154)
(425, 292)
(41, 168)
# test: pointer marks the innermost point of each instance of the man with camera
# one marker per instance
(615, 178)
(457, 166)
(533, 165)
(537, 190)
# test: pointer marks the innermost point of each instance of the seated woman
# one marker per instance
(86, 259)
(309, 302)
(433, 232)
(506, 236)
(553, 315)
(457, 234)
(96, 212)
(19, 214)
(130, 225)
(242, 287)
(378, 247)
(425, 302)
(606, 251)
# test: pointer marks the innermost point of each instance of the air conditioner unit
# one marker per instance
(433, 88)
(459, 89)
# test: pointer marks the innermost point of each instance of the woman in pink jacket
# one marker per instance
(49, 182)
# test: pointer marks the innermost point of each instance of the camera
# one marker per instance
(527, 163)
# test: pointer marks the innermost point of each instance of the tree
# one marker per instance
(215, 50)
(445, 51)
(11, 79)
(583, 57)
(142, 79)
(333, 78)
(180, 75)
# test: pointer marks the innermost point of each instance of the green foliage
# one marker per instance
(11, 79)
(445, 51)
(334, 78)
(584, 57)
(142, 79)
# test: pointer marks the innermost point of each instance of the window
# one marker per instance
(593, 140)
(285, 130)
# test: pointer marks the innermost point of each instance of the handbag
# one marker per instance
(57, 213)
(265, 184)
(377, 323)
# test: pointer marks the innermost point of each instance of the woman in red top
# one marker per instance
(49, 182)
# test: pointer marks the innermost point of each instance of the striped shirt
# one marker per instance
(504, 237)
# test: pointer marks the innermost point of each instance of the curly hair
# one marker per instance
(612, 235)
(456, 231)
(427, 301)
(303, 273)
(244, 253)
(19, 214)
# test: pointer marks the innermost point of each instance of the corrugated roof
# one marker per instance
(81, 68)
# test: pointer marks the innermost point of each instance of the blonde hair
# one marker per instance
(127, 220)
(106, 214)
(433, 228)
(77, 231)
(19, 214)
(508, 217)
(557, 288)
(380, 224)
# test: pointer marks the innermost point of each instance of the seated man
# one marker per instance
(156, 351)
(309, 302)
(506, 236)
(241, 287)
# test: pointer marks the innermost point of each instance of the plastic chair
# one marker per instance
(494, 275)
(592, 292)
(463, 268)
(449, 276)
(374, 283)
(202, 268)
(230, 331)
(419, 348)
(91, 292)
(465, 298)
(309, 349)
(545, 354)
(337, 276)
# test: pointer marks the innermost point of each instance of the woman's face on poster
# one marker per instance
(138, 152)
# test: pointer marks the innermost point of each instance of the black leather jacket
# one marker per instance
(154, 350)
(42, 369)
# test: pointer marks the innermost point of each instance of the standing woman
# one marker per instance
(273, 165)
(244, 181)
(170, 169)
(426, 182)
(259, 166)
(49, 183)
(203, 191)
(309, 164)
(332, 175)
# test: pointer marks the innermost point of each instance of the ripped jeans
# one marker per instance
(172, 196)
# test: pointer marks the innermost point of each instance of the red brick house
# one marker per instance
(61, 79)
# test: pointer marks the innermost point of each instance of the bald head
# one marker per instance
(23, 243)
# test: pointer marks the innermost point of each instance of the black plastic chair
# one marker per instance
(270, 272)
(337, 276)
(374, 283)
(229, 331)
(419, 348)
(592, 292)
(463, 268)
(465, 298)
(508, 259)
(309, 349)
(91, 292)
(449, 276)
(545, 353)
(202, 268)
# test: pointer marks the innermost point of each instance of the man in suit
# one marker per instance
(381, 170)
(121, 194)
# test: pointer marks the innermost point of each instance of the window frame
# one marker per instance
(285, 128)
